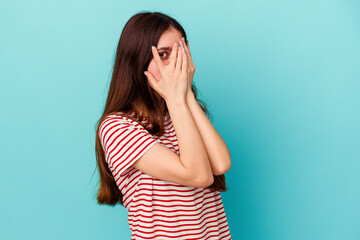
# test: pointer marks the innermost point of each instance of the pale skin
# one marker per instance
(217, 151)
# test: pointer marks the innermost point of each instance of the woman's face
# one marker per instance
(164, 48)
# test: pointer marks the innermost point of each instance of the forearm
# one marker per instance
(193, 153)
(218, 152)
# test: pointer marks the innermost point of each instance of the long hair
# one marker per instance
(130, 91)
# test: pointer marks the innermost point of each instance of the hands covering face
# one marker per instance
(176, 77)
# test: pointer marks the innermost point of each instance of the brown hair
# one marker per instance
(129, 91)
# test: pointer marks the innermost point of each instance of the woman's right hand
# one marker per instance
(172, 84)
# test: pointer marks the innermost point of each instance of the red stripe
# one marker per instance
(171, 232)
(195, 214)
(185, 230)
(184, 198)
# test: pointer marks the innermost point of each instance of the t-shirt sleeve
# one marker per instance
(123, 143)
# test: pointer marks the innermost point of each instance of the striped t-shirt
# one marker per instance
(158, 209)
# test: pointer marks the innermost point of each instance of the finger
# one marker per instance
(154, 83)
(178, 60)
(185, 61)
(151, 79)
(187, 46)
(183, 51)
(173, 56)
(157, 58)
(187, 49)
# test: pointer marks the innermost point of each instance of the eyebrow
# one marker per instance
(165, 48)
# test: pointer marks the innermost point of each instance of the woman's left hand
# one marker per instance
(191, 66)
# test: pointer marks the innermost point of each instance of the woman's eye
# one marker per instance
(162, 54)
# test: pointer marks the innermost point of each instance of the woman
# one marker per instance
(158, 154)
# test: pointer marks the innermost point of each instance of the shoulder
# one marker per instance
(117, 128)
(118, 122)
(119, 118)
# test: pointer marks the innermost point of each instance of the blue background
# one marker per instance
(281, 79)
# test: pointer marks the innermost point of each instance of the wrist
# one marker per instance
(175, 101)
(190, 95)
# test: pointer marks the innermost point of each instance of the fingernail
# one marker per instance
(152, 46)
(144, 72)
